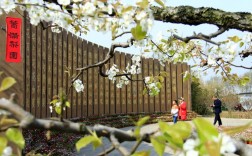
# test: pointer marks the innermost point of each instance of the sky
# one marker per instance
(185, 30)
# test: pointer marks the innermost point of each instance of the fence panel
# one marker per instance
(50, 61)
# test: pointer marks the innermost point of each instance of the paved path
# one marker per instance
(88, 151)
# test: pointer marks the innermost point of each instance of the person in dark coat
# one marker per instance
(217, 110)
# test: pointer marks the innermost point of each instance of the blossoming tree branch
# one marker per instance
(135, 21)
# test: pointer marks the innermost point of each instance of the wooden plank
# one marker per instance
(33, 72)
(69, 66)
(90, 80)
(101, 84)
(145, 73)
(28, 66)
(107, 86)
(74, 66)
(118, 104)
(54, 68)
(64, 66)
(140, 90)
(134, 93)
(123, 90)
(162, 93)
(186, 87)
(79, 65)
(39, 72)
(112, 90)
(84, 96)
(129, 88)
(60, 64)
(179, 80)
(168, 88)
(157, 97)
(45, 106)
(95, 81)
(151, 98)
(174, 82)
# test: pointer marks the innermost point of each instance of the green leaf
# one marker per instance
(143, 3)
(3, 144)
(1, 72)
(164, 74)
(68, 104)
(137, 132)
(161, 78)
(160, 2)
(206, 130)
(142, 121)
(83, 142)
(97, 141)
(159, 85)
(241, 44)
(138, 33)
(159, 145)
(58, 110)
(54, 101)
(175, 134)
(235, 39)
(7, 83)
(14, 135)
(141, 153)
(163, 126)
(212, 148)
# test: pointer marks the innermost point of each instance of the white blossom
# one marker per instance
(7, 5)
(58, 104)
(79, 87)
(51, 109)
(7, 151)
(77, 0)
(147, 79)
(64, 2)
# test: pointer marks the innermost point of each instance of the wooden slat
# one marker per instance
(151, 98)
(64, 65)
(118, 104)
(84, 96)
(112, 90)
(168, 88)
(107, 85)
(33, 72)
(140, 91)
(79, 65)
(162, 93)
(145, 73)
(90, 80)
(179, 80)
(129, 88)
(69, 66)
(123, 90)
(74, 66)
(174, 82)
(186, 87)
(39, 72)
(134, 93)
(44, 106)
(95, 81)
(157, 97)
(55, 68)
(101, 84)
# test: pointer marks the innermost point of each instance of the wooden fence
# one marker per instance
(47, 55)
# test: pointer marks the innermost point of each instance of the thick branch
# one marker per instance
(196, 16)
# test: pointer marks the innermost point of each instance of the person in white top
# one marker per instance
(174, 111)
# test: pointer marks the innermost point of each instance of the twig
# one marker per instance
(117, 145)
(238, 65)
(201, 36)
(112, 148)
(119, 35)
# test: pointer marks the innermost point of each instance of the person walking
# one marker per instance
(217, 110)
(174, 111)
(182, 109)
